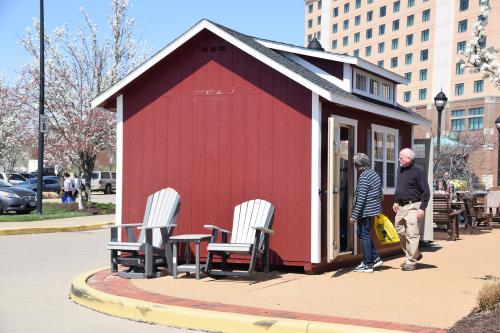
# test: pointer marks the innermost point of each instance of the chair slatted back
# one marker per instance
(441, 208)
(253, 213)
(162, 209)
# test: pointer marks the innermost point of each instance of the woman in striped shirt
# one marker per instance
(367, 204)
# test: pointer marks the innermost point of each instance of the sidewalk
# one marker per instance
(81, 223)
(430, 299)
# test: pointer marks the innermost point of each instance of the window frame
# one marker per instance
(375, 128)
(368, 76)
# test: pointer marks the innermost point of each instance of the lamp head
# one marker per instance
(440, 101)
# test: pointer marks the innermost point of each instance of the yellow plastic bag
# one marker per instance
(386, 233)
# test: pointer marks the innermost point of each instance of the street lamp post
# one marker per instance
(440, 102)
(497, 124)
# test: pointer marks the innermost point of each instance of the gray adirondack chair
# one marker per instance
(252, 223)
(152, 251)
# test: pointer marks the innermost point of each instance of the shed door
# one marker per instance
(332, 214)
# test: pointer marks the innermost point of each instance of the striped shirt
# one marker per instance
(368, 195)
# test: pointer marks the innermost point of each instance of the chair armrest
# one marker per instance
(158, 226)
(263, 229)
(212, 227)
(456, 212)
(124, 225)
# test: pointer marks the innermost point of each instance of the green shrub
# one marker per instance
(488, 297)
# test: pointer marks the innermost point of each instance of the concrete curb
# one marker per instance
(50, 229)
(197, 319)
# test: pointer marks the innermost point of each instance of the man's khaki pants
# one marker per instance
(408, 228)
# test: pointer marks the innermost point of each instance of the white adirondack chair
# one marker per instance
(252, 224)
(152, 250)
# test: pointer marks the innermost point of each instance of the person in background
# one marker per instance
(68, 185)
(367, 205)
(411, 199)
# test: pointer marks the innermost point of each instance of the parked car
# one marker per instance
(18, 178)
(3, 176)
(49, 184)
(103, 181)
(17, 199)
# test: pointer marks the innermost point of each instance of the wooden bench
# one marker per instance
(476, 212)
(443, 214)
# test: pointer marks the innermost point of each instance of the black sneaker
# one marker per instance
(377, 262)
(362, 268)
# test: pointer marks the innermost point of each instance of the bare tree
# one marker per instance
(78, 67)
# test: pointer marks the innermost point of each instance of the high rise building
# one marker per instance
(421, 40)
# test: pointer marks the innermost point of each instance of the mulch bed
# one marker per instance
(91, 209)
(478, 322)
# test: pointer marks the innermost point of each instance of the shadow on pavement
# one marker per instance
(425, 266)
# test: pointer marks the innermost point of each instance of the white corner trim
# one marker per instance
(315, 179)
(119, 162)
(347, 77)
(316, 70)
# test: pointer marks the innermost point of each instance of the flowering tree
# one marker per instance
(14, 143)
(78, 67)
(480, 59)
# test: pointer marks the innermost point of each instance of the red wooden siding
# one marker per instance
(221, 128)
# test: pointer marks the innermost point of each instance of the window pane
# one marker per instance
(391, 147)
(378, 167)
(379, 146)
(390, 174)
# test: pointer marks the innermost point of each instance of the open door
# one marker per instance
(332, 197)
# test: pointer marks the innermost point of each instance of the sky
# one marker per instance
(157, 22)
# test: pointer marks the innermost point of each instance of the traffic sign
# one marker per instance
(44, 124)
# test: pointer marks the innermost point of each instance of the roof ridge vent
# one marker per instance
(314, 44)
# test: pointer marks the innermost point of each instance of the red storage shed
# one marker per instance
(224, 117)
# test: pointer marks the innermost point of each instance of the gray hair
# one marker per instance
(408, 153)
(361, 161)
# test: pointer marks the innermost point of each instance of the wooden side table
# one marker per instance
(187, 267)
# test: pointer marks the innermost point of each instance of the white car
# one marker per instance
(103, 181)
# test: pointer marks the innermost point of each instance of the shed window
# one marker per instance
(384, 155)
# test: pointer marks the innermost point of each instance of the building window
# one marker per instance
(409, 40)
(335, 11)
(426, 15)
(310, 8)
(475, 119)
(381, 47)
(464, 5)
(410, 19)
(370, 1)
(396, 6)
(382, 11)
(482, 42)
(374, 87)
(381, 29)
(424, 55)
(394, 62)
(422, 76)
(335, 28)
(346, 7)
(457, 120)
(310, 23)
(334, 44)
(408, 76)
(422, 94)
(319, 4)
(395, 25)
(309, 37)
(411, 3)
(368, 51)
(459, 68)
(408, 58)
(369, 16)
(318, 35)
(355, 53)
(358, 4)
(384, 154)
(357, 20)
(462, 26)
(424, 36)
(478, 86)
(461, 47)
(360, 82)
(346, 24)
(319, 20)
(394, 43)
(380, 63)
(369, 33)
(459, 89)
(407, 96)
(345, 40)
(356, 37)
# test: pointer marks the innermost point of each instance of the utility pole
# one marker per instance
(41, 114)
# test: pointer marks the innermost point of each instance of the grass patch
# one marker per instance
(53, 210)
(488, 298)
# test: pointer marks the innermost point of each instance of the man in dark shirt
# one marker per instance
(411, 199)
